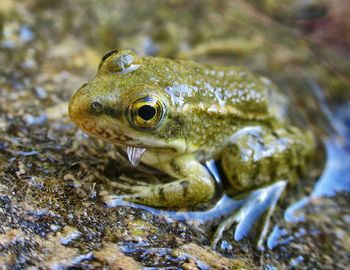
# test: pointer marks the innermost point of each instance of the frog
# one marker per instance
(175, 115)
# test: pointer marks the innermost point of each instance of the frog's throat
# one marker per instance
(135, 154)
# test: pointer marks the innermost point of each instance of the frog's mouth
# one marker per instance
(133, 148)
(134, 153)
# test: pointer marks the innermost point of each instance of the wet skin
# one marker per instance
(178, 114)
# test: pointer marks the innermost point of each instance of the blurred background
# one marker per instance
(48, 49)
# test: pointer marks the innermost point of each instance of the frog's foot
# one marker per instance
(128, 185)
(184, 192)
(126, 188)
(117, 200)
(255, 205)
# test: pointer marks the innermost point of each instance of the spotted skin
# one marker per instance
(207, 112)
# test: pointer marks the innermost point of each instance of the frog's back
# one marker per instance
(215, 90)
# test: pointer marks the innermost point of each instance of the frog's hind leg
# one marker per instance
(255, 160)
(259, 202)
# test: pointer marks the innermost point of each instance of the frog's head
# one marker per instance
(121, 106)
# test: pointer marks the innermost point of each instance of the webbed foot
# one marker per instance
(256, 204)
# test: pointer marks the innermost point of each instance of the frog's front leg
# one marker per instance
(194, 185)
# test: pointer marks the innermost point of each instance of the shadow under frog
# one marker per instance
(176, 116)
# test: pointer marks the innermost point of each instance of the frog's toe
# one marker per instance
(128, 188)
(256, 204)
(141, 195)
(117, 200)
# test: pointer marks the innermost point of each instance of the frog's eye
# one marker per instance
(146, 113)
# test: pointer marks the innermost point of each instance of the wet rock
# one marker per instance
(53, 177)
(111, 255)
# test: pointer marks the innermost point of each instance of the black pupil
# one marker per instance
(146, 112)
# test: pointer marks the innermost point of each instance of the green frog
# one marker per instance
(174, 115)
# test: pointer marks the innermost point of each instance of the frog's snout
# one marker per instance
(78, 108)
(73, 107)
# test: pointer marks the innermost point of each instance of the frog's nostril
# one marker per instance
(96, 107)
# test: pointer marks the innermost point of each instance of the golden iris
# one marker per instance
(146, 113)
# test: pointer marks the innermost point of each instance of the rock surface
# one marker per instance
(52, 176)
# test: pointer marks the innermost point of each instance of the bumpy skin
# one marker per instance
(198, 112)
